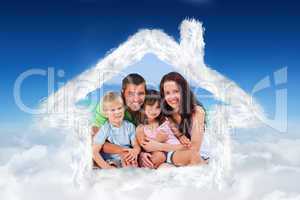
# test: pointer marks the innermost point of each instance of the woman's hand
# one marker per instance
(145, 160)
(185, 141)
(174, 129)
(161, 137)
(150, 145)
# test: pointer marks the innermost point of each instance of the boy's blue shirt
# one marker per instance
(123, 136)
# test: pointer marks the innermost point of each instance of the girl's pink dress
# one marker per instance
(164, 128)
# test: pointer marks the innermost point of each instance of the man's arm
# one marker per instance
(136, 146)
(112, 148)
(95, 130)
(98, 158)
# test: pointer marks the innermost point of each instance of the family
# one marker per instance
(149, 128)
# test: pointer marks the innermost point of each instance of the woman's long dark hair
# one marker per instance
(187, 105)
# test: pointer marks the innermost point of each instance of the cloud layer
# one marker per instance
(262, 169)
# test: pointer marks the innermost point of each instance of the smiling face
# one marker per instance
(134, 96)
(172, 95)
(152, 111)
(115, 112)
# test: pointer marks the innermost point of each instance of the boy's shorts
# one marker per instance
(113, 160)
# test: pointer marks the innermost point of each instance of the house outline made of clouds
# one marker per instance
(187, 57)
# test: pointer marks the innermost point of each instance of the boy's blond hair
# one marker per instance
(110, 97)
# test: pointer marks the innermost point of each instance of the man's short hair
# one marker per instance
(133, 78)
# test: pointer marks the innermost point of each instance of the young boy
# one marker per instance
(117, 131)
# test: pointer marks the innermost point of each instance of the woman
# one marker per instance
(188, 117)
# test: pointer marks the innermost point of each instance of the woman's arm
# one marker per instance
(180, 136)
(152, 145)
(161, 137)
(172, 147)
(197, 129)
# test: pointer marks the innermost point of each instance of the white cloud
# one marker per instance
(262, 169)
(27, 161)
(38, 166)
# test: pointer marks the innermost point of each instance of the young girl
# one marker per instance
(156, 127)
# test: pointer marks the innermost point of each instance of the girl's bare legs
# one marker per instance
(158, 158)
(186, 157)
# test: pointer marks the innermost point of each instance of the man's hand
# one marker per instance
(108, 166)
(130, 164)
(131, 155)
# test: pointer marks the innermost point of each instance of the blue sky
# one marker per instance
(245, 41)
